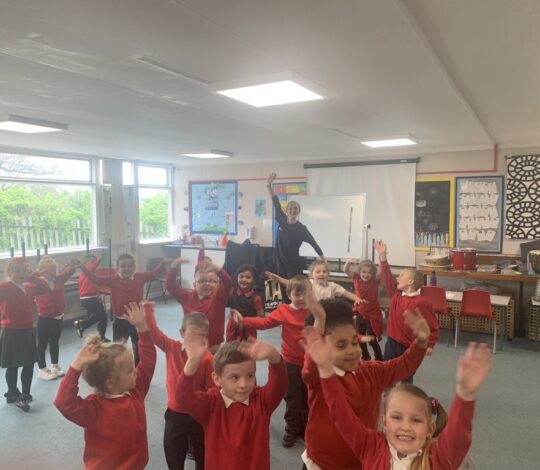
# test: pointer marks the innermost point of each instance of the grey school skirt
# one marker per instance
(17, 347)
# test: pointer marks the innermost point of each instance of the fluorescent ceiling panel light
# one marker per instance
(26, 125)
(211, 154)
(271, 94)
(376, 144)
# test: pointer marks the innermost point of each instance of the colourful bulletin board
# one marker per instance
(284, 191)
(434, 212)
(213, 207)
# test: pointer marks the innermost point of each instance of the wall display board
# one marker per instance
(523, 197)
(479, 213)
(434, 212)
(213, 207)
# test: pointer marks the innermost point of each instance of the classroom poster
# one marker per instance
(434, 212)
(213, 207)
(479, 213)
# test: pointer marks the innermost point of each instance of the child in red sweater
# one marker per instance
(244, 300)
(410, 439)
(369, 319)
(236, 417)
(404, 295)
(363, 383)
(114, 417)
(179, 425)
(17, 341)
(50, 315)
(89, 295)
(127, 286)
(212, 288)
(291, 317)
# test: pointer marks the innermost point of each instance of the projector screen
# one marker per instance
(389, 203)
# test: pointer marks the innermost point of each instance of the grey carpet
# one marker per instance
(505, 430)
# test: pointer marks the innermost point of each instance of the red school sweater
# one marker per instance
(16, 305)
(53, 303)
(292, 327)
(176, 360)
(396, 328)
(372, 311)
(371, 447)
(86, 287)
(213, 307)
(114, 428)
(236, 437)
(362, 390)
(124, 290)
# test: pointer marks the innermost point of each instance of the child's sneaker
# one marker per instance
(57, 371)
(46, 374)
(78, 328)
(23, 402)
(11, 397)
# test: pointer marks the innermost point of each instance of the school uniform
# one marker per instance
(236, 434)
(114, 426)
(213, 307)
(17, 341)
(399, 334)
(50, 317)
(329, 290)
(369, 319)
(292, 322)
(123, 292)
(362, 388)
(179, 425)
(248, 303)
(371, 447)
(89, 296)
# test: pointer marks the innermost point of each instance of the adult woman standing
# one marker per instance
(291, 234)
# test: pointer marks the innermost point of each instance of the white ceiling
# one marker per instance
(454, 74)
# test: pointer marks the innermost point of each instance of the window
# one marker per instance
(45, 202)
(154, 188)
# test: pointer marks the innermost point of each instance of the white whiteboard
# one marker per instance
(336, 223)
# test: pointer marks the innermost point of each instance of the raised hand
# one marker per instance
(135, 315)
(271, 178)
(177, 262)
(381, 249)
(318, 349)
(419, 326)
(271, 276)
(259, 351)
(196, 345)
(473, 368)
(237, 316)
(87, 355)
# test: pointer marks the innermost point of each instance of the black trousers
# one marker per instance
(97, 315)
(296, 402)
(363, 327)
(179, 429)
(48, 334)
(122, 331)
(393, 349)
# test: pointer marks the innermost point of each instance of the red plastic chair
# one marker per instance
(437, 296)
(477, 303)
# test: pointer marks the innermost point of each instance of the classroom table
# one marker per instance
(481, 276)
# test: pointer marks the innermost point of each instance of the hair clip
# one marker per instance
(434, 405)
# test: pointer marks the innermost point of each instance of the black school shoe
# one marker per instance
(78, 328)
(11, 397)
(23, 402)
(288, 440)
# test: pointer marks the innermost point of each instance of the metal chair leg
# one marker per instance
(495, 337)
(456, 336)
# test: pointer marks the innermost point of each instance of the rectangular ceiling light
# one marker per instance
(376, 144)
(26, 125)
(271, 94)
(211, 154)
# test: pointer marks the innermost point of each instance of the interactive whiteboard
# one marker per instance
(336, 223)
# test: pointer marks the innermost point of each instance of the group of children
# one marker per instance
(214, 404)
